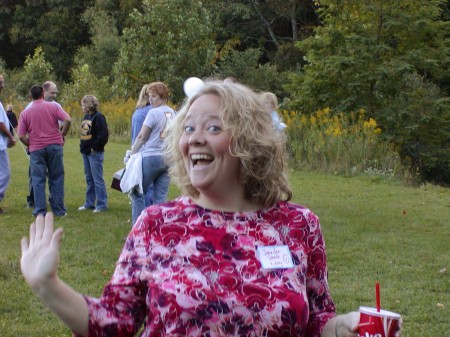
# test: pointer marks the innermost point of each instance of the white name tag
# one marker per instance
(274, 257)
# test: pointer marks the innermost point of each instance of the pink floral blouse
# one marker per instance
(190, 271)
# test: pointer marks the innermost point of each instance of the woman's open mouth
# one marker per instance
(201, 159)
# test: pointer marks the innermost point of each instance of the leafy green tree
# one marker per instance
(269, 27)
(103, 51)
(36, 71)
(387, 57)
(262, 24)
(84, 82)
(2, 66)
(53, 25)
(13, 55)
(418, 124)
(7, 92)
(169, 41)
(245, 67)
(356, 58)
(23, 31)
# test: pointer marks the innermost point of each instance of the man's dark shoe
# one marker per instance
(2, 211)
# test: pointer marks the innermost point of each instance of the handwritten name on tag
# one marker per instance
(274, 257)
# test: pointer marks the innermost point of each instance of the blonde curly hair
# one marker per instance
(90, 102)
(260, 149)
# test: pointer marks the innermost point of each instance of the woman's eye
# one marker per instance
(188, 129)
(214, 128)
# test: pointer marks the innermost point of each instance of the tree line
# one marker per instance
(389, 58)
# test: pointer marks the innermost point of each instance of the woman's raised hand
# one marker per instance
(40, 255)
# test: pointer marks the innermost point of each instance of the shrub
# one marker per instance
(86, 83)
(338, 143)
(36, 71)
(246, 68)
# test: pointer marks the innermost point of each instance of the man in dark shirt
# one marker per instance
(12, 119)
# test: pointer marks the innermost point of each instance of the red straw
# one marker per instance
(377, 296)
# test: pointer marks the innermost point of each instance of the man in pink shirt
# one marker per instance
(39, 130)
(50, 93)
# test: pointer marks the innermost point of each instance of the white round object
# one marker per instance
(192, 85)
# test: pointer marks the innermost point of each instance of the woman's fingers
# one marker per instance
(400, 328)
(48, 228)
(56, 239)
(42, 228)
(32, 233)
(354, 321)
(24, 245)
(39, 226)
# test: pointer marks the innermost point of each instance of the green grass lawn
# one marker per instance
(375, 231)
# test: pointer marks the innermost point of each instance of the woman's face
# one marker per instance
(84, 108)
(205, 148)
(155, 100)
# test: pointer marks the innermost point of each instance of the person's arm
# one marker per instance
(63, 116)
(321, 305)
(22, 131)
(141, 139)
(66, 126)
(5, 131)
(102, 134)
(25, 141)
(39, 265)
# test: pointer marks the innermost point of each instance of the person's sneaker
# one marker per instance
(61, 215)
(97, 210)
(2, 211)
(83, 208)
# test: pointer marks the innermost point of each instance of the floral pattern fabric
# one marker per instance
(189, 271)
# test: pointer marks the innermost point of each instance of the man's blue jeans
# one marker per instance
(48, 162)
(95, 184)
(5, 172)
(154, 170)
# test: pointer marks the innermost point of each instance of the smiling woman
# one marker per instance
(230, 257)
(232, 110)
(211, 168)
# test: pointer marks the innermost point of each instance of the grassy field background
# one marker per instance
(375, 231)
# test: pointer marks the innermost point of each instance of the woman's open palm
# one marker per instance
(40, 255)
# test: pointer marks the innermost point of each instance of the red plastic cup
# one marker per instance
(377, 324)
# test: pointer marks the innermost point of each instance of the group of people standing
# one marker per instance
(42, 128)
(43, 125)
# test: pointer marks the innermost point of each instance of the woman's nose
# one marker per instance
(196, 139)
